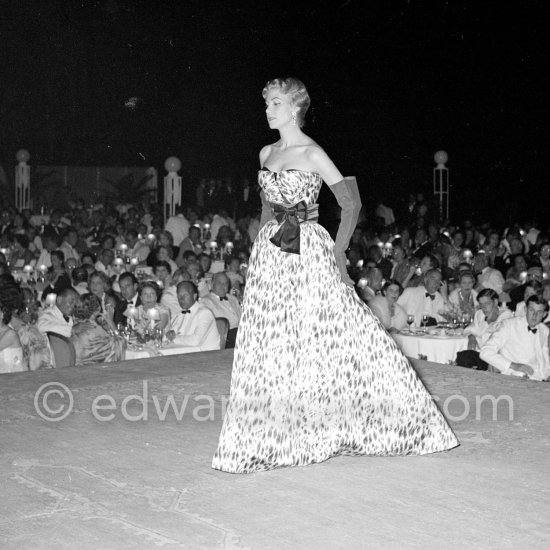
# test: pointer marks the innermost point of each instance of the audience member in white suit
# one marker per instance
(520, 346)
(195, 324)
(425, 299)
(58, 318)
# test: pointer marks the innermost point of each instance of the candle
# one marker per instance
(213, 244)
(27, 269)
(124, 248)
(134, 261)
(468, 254)
(51, 299)
(151, 237)
(43, 268)
(362, 283)
(360, 263)
(153, 314)
(229, 245)
(206, 226)
(523, 276)
(4, 251)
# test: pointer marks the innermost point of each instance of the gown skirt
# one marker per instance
(315, 374)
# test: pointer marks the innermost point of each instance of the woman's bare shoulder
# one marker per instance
(10, 339)
(266, 152)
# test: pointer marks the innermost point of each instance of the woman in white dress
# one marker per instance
(314, 375)
(11, 352)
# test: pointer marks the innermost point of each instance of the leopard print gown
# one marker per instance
(315, 374)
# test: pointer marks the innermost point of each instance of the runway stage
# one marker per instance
(90, 483)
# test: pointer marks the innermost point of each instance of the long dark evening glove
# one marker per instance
(349, 200)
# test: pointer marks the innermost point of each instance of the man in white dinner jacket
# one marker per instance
(424, 299)
(58, 317)
(520, 346)
(223, 304)
(195, 324)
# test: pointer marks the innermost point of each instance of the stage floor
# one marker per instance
(141, 481)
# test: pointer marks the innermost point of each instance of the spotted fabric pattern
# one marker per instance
(315, 375)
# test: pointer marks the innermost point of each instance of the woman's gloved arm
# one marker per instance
(349, 200)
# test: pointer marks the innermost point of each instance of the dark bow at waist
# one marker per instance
(287, 237)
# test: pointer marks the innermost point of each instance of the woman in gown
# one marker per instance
(315, 374)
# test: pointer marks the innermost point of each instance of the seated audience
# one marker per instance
(129, 286)
(169, 296)
(194, 324)
(58, 317)
(93, 334)
(487, 277)
(386, 308)
(425, 300)
(80, 280)
(370, 284)
(463, 298)
(531, 288)
(11, 352)
(520, 346)
(486, 320)
(100, 285)
(57, 275)
(150, 313)
(222, 304)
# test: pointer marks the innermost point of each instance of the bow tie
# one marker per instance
(430, 296)
(533, 330)
(184, 311)
(66, 317)
(223, 297)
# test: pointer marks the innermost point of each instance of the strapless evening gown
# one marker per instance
(315, 374)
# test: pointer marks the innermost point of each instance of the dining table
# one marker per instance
(143, 351)
(439, 345)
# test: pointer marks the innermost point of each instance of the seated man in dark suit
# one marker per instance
(130, 297)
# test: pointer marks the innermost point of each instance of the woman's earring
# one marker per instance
(294, 118)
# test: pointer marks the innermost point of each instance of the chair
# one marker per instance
(223, 328)
(64, 354)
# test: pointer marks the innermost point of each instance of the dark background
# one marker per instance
(391, 83)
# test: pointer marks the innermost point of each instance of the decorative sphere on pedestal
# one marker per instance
(22, 155)
(441, 157)
(172, 164)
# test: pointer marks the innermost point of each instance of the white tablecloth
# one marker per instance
(168, 349)
(439, 349)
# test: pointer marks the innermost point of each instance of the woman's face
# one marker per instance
(466, 283)
(56, 262)
(545, 252)
(97, 286)
(148, 297)
(392, 293)
(458, 240)
(278, 109)
(164, 240)
(162, 255)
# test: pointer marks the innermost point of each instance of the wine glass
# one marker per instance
(465, 320)
(158, 334)
(410, 321)
(424, 320)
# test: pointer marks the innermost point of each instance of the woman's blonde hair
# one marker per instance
(296, 90)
